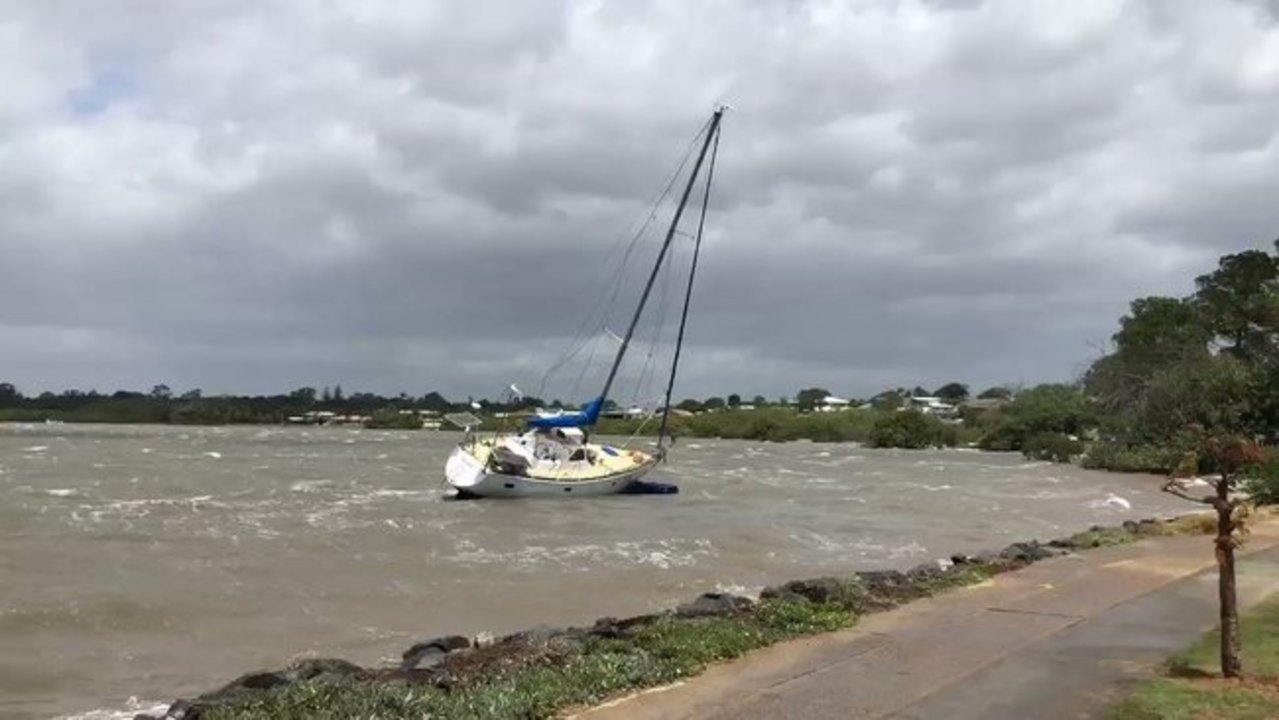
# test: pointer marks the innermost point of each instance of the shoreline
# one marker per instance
(441, 669)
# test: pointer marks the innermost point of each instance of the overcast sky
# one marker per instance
(254, 195)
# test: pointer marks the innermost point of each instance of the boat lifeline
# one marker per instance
(554, 456)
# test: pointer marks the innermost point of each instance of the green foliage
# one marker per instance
(889, 400)
(1261, 482)
(913, 430)
(1057, 409)
(392, 419)
(1122, 457)
(1210, 360)
(995, 393)
(714, 403)
(1055, 447)
(810, 398)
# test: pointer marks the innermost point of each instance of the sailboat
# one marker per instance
(553, 456)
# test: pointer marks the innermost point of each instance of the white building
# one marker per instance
(830, 403)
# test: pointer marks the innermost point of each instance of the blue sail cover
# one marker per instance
(586, 416)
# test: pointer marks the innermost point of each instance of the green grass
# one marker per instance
(1191, 690)
(1259, 628)
(1166, 699)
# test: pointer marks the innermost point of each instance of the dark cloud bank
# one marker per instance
(248, 197)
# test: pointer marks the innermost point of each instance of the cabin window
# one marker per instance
(578, 455)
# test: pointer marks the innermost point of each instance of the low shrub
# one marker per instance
(912, 430)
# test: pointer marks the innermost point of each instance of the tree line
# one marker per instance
(162, 405)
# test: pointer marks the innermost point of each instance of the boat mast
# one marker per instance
(688, 296)
(711, 132)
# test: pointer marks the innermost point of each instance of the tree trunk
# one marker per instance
(1231, 664)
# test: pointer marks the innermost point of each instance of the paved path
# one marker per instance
(1060, 639)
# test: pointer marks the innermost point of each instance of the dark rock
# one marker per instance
(1130, 526)
(879, 579)
(1150, 526)
(611, 627)
(429, 653)
(714, 604)
(538, 636)
(254, 681)
(987, 557)
(1028, 552)
(322, 670)
(925, 571)
(818, 590)
(182, 710)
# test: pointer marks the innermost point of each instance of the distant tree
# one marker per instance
(952, 392)
(337, 393)
(326, 395)
(303, 395)
(911, 429)
(714, 403)
(161, 392)
(889, 399)
(691, 405)
(1237, 303)
(919, 391)
(995, 393)
(192, 394)
(437, 402)
(734, 400)
(9, 395)
(759, 401)
(810, 398)
(1050, 408)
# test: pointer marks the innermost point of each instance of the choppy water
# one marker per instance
(151, 562)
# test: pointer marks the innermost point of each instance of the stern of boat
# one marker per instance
(463, 470)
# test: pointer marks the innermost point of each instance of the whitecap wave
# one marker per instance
(133, 707)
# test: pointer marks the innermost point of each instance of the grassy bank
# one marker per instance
(542, 672)
(1189, 689)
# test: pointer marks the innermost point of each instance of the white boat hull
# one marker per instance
(469, 477)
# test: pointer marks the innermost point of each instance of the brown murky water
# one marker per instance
(140, 563)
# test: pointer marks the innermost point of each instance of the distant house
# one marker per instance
(932, 406)
(830, 403)
(629, 413)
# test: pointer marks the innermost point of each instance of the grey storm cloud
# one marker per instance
(250, 196)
